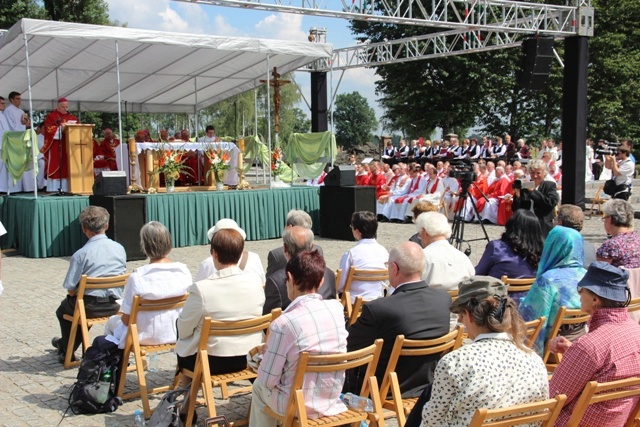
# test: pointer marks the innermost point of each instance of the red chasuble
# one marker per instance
(54, 150)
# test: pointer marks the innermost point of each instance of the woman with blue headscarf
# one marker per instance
(559, 271)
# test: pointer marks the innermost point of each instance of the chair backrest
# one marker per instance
(595, 392)
(335, 363)
(634, 308)
(533, 330)
(518, 285)
(403, 347)
(357, 274)
(217, 328)
(143, 305)
(453, 293)
(545, 412)
(338, 277)
(565, 316)
(87, 283)
(356, 310)
(634, 288)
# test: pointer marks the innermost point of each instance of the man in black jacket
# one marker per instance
(414, 310)
(296, 239)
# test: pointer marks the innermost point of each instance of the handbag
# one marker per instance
(610, 187)
(167, 414)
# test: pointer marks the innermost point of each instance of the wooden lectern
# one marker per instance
(80, 157)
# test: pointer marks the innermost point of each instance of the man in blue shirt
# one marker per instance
(99, 257)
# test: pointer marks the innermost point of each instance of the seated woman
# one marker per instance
(495, 371)
(559, 271)
(518, 251)
(623, 248)
(229, 294)
(609, 352)
(308, 324)
(419, 208)
(161, 278)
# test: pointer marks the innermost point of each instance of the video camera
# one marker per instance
(463, 171)
(610, 148)
(519, 184)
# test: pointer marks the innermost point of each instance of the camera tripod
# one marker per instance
(457, 228)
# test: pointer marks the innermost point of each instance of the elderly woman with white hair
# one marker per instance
(445, 265)
(542, 199)
(623, 248)
(161, 278)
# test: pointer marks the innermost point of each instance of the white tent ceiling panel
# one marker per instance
(159, 72)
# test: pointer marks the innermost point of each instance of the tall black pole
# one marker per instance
(319, 121)
(574, 120)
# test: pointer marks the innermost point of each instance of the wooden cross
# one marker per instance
(276, 83)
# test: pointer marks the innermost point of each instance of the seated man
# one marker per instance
(434, 187)
(496, 194)
(399, 189)
(377, 179)
(609, 352)
(367, 254)
(296, 239)
(276, 259)
(249, 261)
(414, 310)
(99, 257)
(445, 265)
(396, 210)
(451, 187)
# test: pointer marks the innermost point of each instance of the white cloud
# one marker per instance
(282, 26)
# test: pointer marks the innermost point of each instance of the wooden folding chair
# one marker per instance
(533, 330)
(545, 412)
(296, 414)
(597, 202)
(565, 316)
(140, 350)
(362, 275)
(595, 392)
(411, 348)
(518, 285)
(453, 293)
(201, 377)
(634, 307)
(79, 318)
(356, 310)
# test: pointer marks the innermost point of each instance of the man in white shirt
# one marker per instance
(445, 265)
(367, 254)
(499, 150)
(209, 135)
(249, 261)
(622, 169)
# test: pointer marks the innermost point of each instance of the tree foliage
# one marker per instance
(83, 11)
(354, 119)
(12, 11)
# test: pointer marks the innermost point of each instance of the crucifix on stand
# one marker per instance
(276, 83)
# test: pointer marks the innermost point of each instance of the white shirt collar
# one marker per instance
(494, 335)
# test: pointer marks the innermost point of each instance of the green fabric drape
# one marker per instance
(255, 149)
(19, 148)
(49, 227)
(308, 153)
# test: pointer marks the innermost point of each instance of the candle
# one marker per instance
(132, 146)
(149, 161)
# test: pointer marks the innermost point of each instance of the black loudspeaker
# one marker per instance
(341, 176)
(337, 204)
(536, 63)
(127, 215)
(113, 183)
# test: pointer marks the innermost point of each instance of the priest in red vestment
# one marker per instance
(496, 194)
(55, 146)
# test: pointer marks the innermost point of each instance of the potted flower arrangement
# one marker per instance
(170, 164)
(276, 163)
(218, 164)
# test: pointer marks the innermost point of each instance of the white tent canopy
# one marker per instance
(159, 72)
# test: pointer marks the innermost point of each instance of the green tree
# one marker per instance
(354, 119)
(12, 11)
(83, 11)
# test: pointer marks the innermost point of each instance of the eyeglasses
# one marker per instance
(605, 217)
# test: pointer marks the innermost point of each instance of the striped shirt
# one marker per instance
(313, 325)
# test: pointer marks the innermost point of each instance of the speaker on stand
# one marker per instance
(536, 63)
(338, 203)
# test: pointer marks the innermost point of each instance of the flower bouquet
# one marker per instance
(170, 164)
(219, 160)
(277, 166)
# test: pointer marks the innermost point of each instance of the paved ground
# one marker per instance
(34, 386)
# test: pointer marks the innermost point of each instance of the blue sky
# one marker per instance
(167, 15)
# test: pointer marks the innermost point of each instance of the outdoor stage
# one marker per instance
(48, 226)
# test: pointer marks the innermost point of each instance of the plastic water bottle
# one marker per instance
(138, 419)
(102, 393)
(356, 402)
(152, 362)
